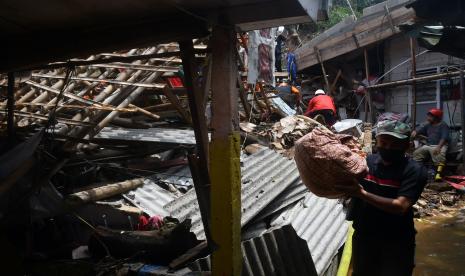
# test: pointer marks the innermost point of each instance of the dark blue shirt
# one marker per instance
(407, 178)
(435, 133)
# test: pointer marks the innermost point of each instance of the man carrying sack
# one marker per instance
(384, 238)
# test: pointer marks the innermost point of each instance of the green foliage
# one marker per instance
(341, 10)
(336, 15)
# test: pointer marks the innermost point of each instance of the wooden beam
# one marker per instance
(177, 104)
(323, 70)
(225, 156)
(417, 80)
(198, 162)
(336, 79)
(414, 85)
(462, 103)
(368, 103)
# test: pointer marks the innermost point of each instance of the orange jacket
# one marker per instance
(320, 102)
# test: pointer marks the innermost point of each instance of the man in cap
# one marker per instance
(437, 133)
(381, 207)
(322, 104)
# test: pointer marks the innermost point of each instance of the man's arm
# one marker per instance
(399, 205)
(444, 139)
(421, 130)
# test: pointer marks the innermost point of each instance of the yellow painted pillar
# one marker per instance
(225, 173)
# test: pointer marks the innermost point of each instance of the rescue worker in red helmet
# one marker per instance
(324, 105)
(437, 133)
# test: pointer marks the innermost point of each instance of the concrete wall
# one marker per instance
(397, 50)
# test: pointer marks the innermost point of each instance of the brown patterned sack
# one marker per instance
(324, 159)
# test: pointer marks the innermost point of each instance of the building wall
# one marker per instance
(397, 50)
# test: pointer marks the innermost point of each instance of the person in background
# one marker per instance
(322, 104)
(278, 50)
(437, 133)
(381, 207)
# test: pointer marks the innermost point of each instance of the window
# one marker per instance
(443, 94)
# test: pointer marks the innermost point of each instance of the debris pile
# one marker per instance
(438, 199)
(101, 169)
(290, 129)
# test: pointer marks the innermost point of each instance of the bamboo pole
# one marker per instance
(113, 59)
(11, 106)
(108, 95)
(126, 83)
(103, 192)
(30, 115)
(417, 80)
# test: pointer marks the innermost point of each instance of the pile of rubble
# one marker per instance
(438, 199)
(110, 188)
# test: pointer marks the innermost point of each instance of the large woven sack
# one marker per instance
(325, 159)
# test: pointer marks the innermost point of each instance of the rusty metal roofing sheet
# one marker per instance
(265, 175)
(319, 221)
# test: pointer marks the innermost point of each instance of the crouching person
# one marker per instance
(437, 133)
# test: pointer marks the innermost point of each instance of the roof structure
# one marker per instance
(41, 32)
(378, 22)
(89, 97)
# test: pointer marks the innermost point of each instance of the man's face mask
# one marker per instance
(391, 155)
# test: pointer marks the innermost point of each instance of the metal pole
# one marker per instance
(414, 85)
(11, 105)
(462, 92)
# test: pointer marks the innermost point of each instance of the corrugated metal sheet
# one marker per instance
(265, 175)
(179, 176)
(319, 221)
(282, 106)
(277, 252)
(150, 198)
(160, 135)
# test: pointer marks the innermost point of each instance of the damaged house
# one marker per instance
(380, 45)
(111, 157)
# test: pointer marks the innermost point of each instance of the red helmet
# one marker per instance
(436, 113)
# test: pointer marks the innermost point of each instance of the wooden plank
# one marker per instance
(323, 70)
(177, 104)
(366, 31)
(336, 79)
(225, 167)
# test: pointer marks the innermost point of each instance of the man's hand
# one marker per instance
(437, 150)
(350, 188)
(413, 134)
